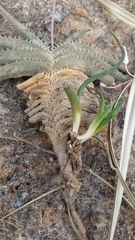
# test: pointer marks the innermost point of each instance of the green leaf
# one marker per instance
(76, 107)
(104, 119)
(91, 130)
(109, 117)
(101, 108)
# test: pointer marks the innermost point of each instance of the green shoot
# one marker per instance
(102, 118)
(109, 117)
(101, 108)
(76, 107)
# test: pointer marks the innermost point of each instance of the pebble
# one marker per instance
(59, 15)
(21, 199)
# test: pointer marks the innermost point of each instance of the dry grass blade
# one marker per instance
(125, 155)
(104, 181)
(119, 12)
(32, 201)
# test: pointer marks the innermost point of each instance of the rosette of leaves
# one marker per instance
(53, 70)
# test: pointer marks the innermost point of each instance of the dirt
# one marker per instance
(29, 171)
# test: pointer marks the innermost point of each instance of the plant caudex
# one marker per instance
(103, 116)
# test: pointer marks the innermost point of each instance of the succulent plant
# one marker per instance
(52, 71)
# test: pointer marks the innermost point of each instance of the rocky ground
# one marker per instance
(28, 171)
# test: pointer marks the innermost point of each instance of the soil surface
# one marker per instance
(26, 169)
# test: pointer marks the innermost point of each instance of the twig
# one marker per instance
(52, 24)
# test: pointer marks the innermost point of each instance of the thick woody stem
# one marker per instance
(64, 162)
(66, 169)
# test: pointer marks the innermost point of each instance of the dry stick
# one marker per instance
(52, 24)
(18, 139)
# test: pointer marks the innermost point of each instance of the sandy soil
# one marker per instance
(27, 172)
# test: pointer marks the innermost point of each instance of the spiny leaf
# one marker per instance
(23, 54)
(22, 30)
(22, 68)
(73, 36)
(13, 43)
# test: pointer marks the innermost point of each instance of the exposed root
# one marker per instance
(76, 219)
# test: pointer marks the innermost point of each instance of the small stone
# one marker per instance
(59, 15)
(21, 199)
